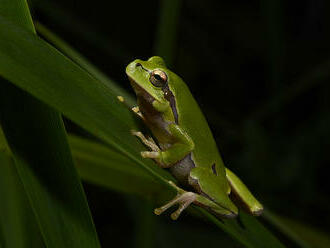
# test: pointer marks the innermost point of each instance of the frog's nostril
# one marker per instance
(138, 65)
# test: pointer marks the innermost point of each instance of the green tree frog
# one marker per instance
(184, 143)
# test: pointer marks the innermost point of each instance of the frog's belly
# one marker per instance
(181, 170)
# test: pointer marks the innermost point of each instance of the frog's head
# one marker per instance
(214, 189)
(150, 77)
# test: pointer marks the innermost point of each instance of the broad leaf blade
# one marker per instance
(36, 136)
(18, 12)
(35, 66)
(37, 139)
(82, 61)
(101, 165)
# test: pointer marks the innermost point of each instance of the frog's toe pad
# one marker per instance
(121, 99)
(135, 133)
(158, 211)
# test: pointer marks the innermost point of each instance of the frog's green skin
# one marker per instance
(185, 143)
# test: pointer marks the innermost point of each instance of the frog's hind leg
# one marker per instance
(183, 198)
(242, 194)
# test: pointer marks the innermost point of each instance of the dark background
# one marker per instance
(260, 71)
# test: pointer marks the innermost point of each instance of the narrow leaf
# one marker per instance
(82, 61)
(32, 64)
(167, 29)
(18, 225)
(37, 140)
(101, 165)
(36, 136)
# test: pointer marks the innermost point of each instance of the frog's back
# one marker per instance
(192, 120)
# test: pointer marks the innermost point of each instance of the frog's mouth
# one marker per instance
(134, 71)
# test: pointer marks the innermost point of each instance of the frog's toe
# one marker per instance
(121, 98)
(135, 133)
(184, 200)
(148, 154)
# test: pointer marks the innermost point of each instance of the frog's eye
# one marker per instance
(158, 78)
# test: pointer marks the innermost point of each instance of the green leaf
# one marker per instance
(18, 12)
(83, 62)
(36, 136)
(167, 28)
(96, 163)
(101, 165)
(300, 233)
(18, 225)
(27, 61)
(35, 66)
(314, 237)
(247, 230)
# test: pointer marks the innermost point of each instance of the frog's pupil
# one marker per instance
(158, 77)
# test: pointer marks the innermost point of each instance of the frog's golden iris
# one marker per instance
(158, 78)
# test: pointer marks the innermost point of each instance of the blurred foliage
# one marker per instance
(260, 71)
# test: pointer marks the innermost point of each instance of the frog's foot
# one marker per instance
(155, 152)
(183, 198)
(149, 142)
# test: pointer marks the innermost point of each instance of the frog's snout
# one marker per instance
(136, 63)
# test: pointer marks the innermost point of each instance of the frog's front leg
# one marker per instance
(174, 153)
(135, 109)
(183, 198)
(149, 142)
